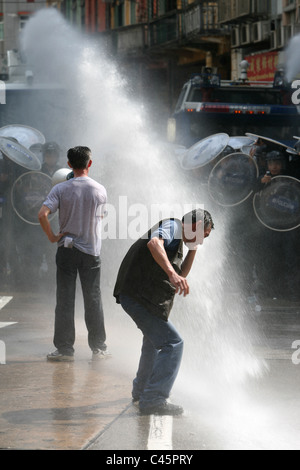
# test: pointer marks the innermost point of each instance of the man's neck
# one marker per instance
(80, 173)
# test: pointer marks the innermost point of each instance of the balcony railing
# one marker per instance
(231, 11)
(164, 30)
(201, 18)
(131, 39)
(169, 29)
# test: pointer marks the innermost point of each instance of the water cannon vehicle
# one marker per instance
(208, 105)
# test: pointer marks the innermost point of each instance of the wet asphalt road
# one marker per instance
(86, 405)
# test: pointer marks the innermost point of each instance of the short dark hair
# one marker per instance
(198, 214)
(79, 157)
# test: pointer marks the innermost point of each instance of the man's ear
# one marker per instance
(90, 163)
(69, 164)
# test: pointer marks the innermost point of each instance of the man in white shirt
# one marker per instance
(81, 205)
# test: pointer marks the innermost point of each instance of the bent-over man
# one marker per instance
(152, 272)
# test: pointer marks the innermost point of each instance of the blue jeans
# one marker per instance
(160, 358)
(71, 262)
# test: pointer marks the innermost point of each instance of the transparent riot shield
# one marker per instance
(232, 180)
(28, 193)
(277, 206)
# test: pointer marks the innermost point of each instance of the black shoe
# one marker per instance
(165, 409)
(56, 356)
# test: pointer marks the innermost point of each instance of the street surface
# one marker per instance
(85, 405)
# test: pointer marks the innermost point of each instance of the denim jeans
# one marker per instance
(70, 262)
(160, 358)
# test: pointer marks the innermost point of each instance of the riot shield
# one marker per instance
(25, 135)
(204, 151)
(19, 154)
(277, 206)
(233, 179)
(28, 194)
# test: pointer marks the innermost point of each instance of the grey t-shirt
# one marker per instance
(81, 204)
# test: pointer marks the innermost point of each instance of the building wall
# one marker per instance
(15, 15)
(259, 31)
(95, 16)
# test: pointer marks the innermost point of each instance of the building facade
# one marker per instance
(162, 42)
(260, 31)
(158, 42)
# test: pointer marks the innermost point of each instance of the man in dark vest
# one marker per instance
(152, 272)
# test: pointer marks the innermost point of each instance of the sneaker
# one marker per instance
(164, 409)
(56, 356)
(100, 354)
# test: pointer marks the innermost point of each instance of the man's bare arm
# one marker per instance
(45, 224)
(188, 262)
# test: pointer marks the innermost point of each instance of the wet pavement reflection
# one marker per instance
(87, 405)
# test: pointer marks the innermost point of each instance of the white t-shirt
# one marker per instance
(81, 204)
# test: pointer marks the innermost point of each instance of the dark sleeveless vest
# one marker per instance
(141, 278)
